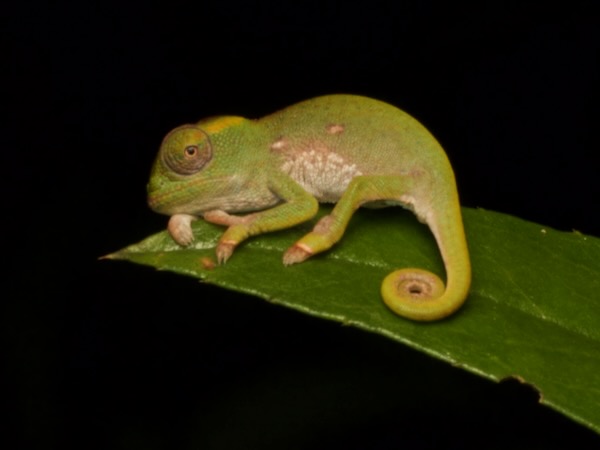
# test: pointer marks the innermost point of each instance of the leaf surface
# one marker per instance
(533, 312)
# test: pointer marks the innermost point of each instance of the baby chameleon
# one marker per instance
(342, 149)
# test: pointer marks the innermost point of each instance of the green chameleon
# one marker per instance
(344, 149)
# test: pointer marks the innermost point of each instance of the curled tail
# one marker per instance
(421, 295)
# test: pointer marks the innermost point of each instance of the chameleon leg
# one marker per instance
(298, 207)
(330, 229)
(421, 295)
(412, 293)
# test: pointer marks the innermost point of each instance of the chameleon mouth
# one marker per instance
(154, 202)
(157, 198)
(161, 196)
(171, 201)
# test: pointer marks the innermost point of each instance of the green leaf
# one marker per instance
(533, 312)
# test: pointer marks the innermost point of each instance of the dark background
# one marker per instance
(110, 355)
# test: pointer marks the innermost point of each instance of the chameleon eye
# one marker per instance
(191, 151)
(186, 150)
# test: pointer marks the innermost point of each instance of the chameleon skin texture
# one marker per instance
(257, 176)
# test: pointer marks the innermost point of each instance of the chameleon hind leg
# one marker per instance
(330, 229)
(410, 292)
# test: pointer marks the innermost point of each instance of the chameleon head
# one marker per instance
(183, 152)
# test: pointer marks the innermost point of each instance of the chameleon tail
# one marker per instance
(421, 295)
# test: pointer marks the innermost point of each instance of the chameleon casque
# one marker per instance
(349, 150)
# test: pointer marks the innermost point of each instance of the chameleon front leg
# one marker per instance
(180, 228)
(297, 206)
(413, 293)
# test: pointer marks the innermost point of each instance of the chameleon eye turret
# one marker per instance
(186, 150)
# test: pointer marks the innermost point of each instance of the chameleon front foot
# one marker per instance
(225, 250)
(180, 229)
(231, 238)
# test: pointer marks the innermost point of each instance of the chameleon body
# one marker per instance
(257, 176)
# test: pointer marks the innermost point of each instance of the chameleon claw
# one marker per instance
(180, 229)
(224, 251)
(297, 253)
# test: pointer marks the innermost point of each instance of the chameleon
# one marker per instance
(258, 176)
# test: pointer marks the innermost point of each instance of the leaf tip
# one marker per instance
(122, 254)
(115, 255)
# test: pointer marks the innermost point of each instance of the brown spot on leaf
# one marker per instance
(207, 263)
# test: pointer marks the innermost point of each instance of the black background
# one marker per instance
(110, 355)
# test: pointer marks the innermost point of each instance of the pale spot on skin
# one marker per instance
(324, 225)
(322, 173)
(279, 144)
(335, 128)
